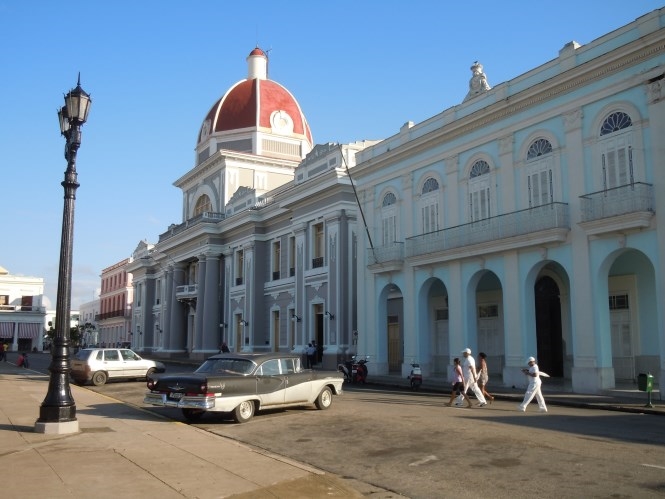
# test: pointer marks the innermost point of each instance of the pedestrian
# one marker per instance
(458, 384)
(534, 387)
(483, 377)
(471, 377)
(3, 350)
(311, 355)
(224, 348)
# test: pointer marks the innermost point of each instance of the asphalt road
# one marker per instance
(409, 443)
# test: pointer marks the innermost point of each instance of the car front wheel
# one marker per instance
(243, 412)
(324, 400)
(99, 378)
(150, 372)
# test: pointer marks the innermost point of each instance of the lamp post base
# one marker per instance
(57, 428)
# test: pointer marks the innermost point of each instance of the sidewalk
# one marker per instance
(122, 451)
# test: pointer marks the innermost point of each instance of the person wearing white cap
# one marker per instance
(471, 377)
(534, 387)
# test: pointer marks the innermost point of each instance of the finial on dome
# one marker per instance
(257, 64)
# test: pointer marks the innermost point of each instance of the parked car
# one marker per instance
(101, 364)
(242, 384)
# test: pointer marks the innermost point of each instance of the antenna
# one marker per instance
(268, 61)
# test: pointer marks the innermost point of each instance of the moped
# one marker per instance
(416, 376)
(355, 370)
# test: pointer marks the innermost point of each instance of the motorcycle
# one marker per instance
(416, 376)
(355, 370)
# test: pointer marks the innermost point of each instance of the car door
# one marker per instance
(270, 383)
(298, 381)
(113, 363)
(132, 364)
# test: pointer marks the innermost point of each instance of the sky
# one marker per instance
(359, 69)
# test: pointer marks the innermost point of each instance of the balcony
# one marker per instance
(126, 313)
(317, 262)
(524, 228)
(388, 258)
(187, 291)
(205, 217)
(22, 308)
(621, 208)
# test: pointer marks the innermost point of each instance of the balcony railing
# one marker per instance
(516, 223)
(127, 313)
(317, 262)
(393, 252)
(632, 198)
(22, 308)
(205, 217)
(187, 290)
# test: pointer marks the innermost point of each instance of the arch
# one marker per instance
(202, 205)
(628, 315)
(202, 190)
(389, 199)
(484, 319)
(432, 347)
(550, 342)
(390, 327)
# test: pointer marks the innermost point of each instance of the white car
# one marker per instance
(101, 364)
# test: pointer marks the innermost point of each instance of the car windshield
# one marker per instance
(227, 366)
(83, 354)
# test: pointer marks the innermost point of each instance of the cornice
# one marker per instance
(582, 75)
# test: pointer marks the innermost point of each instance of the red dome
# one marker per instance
(250, 104)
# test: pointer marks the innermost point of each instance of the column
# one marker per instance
(196, 341)
(211, 338)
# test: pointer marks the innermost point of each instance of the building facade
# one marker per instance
(527, 220)
(22, 311)
(87, 324)
(114, 320)
(265, 256)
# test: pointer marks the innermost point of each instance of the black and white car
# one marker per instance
(242, 384)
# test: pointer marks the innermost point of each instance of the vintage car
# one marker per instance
(101, 364)
(242, 384)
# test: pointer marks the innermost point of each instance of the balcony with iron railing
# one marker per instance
(126, 313)
(626, 207)
(389, 257)
(186, 291)
(530, 227)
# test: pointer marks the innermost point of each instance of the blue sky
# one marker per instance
(359, 69)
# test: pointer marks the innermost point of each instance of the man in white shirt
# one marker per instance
(534, 387)
(471, 377)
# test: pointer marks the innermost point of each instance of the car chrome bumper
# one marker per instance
(161, 399)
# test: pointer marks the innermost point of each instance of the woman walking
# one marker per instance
(483, 377)
(458, 385)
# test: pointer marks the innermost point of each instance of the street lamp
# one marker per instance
(57, 414)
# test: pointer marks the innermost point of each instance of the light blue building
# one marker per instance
(525, 221)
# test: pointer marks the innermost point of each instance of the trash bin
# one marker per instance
(645, 382)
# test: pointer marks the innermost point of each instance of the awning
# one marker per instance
(29, 330)
(6, 329)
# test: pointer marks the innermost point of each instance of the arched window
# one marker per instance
(539, 173)
(429, 205)
(616, 149)
(389, 199)
(389, 219)
(203, 204)
(479, 191)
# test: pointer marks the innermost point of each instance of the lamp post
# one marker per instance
(57, 414)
